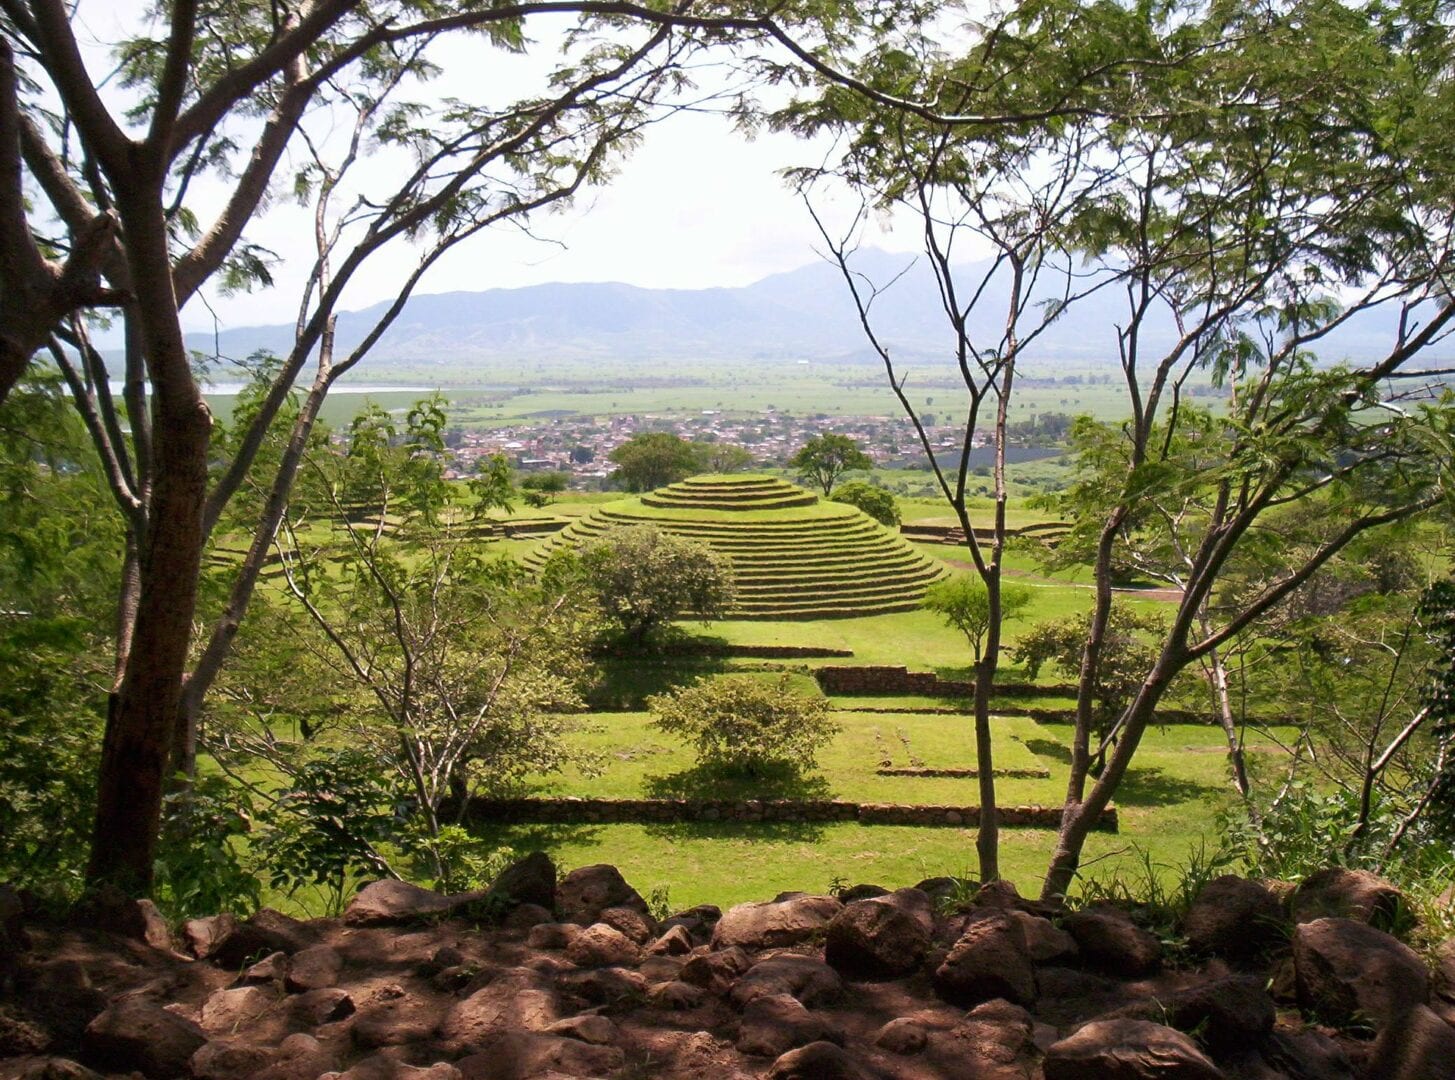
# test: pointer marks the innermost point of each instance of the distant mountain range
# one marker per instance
(803, 314)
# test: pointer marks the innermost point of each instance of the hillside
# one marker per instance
(805, 313)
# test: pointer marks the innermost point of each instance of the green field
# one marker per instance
(1167, 806)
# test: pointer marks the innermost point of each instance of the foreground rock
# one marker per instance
(788, 920)
(882, 935)
(398, 903)
(1234, 918)
(1350, 973)
(136, 1034)
(584, 894)
(1001, 988)
(990, 960)
(1128, 1050)
(1347, 894)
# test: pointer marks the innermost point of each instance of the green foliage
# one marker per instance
(825, 458)
(644, 578)
(60, 547)
(1161, 891)
(540, 489)
(654, 459)
(964, 602)
(468, 863)
(327, 823)
(742, 725)
(659, 902)
(1129, 650)
(874, 501)
(51, 714)
(492, 485)
(201, 868)
(720, 457)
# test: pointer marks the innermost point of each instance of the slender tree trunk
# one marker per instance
(987, 838)
(1079, 819)
(1237, 762)
(143, 711)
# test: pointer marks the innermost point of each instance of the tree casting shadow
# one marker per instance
(716, 782)
(1151, 786)
(1049, 748)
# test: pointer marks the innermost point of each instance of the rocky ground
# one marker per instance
(573, 978)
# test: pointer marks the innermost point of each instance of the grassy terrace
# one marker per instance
(795, 557)
(1167, 804)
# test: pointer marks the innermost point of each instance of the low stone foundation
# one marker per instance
(963, 774)
(894, 679)
(576, 811)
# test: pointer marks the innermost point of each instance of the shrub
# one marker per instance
(645, 578)
(746, 726)
(874, 501)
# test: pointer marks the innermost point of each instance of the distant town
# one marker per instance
(579, 446)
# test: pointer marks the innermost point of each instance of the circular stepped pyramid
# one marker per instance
(794, 556)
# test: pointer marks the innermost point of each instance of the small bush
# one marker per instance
(746, 726)
(878, 503)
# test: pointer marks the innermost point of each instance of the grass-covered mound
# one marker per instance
(794, 555)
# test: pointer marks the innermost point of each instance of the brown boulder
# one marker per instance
(583, 894)
(1128, 1050)
(135, 1034)
(518, 998)
(883, 935)
(229, 1011)
(109, 909)
(1045, 941)
(677, 996)
(817, 1061)
(1340, 893)
(775, 923)
(390, 902)
(1348, 972)
(313, 1008)
(677, 941)
(902, 1035)
(590, 1028)
(314, 968)
(604, 986)
(300, 1057)
(266, 932)
(1228, 1014)
(552, 935)
(806, 978)
(397, 1019)
(230, 1059)
(637, 925)
(202, 936)
(600, 945)
(1234, 918)
(996, 1037)
(531, 880)
(1110, 941)
(1416, 1046)
(517, 1055)
(989, 961)
(773, 1025)
(1444, 984)
(384, 1067)
(716, 971)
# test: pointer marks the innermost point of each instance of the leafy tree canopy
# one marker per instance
(874, 501)
(825, 458)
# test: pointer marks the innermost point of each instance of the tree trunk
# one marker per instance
(143, 711)
(987, 838)
(1079, 818)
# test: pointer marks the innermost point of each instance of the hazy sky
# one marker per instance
(697, 205)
